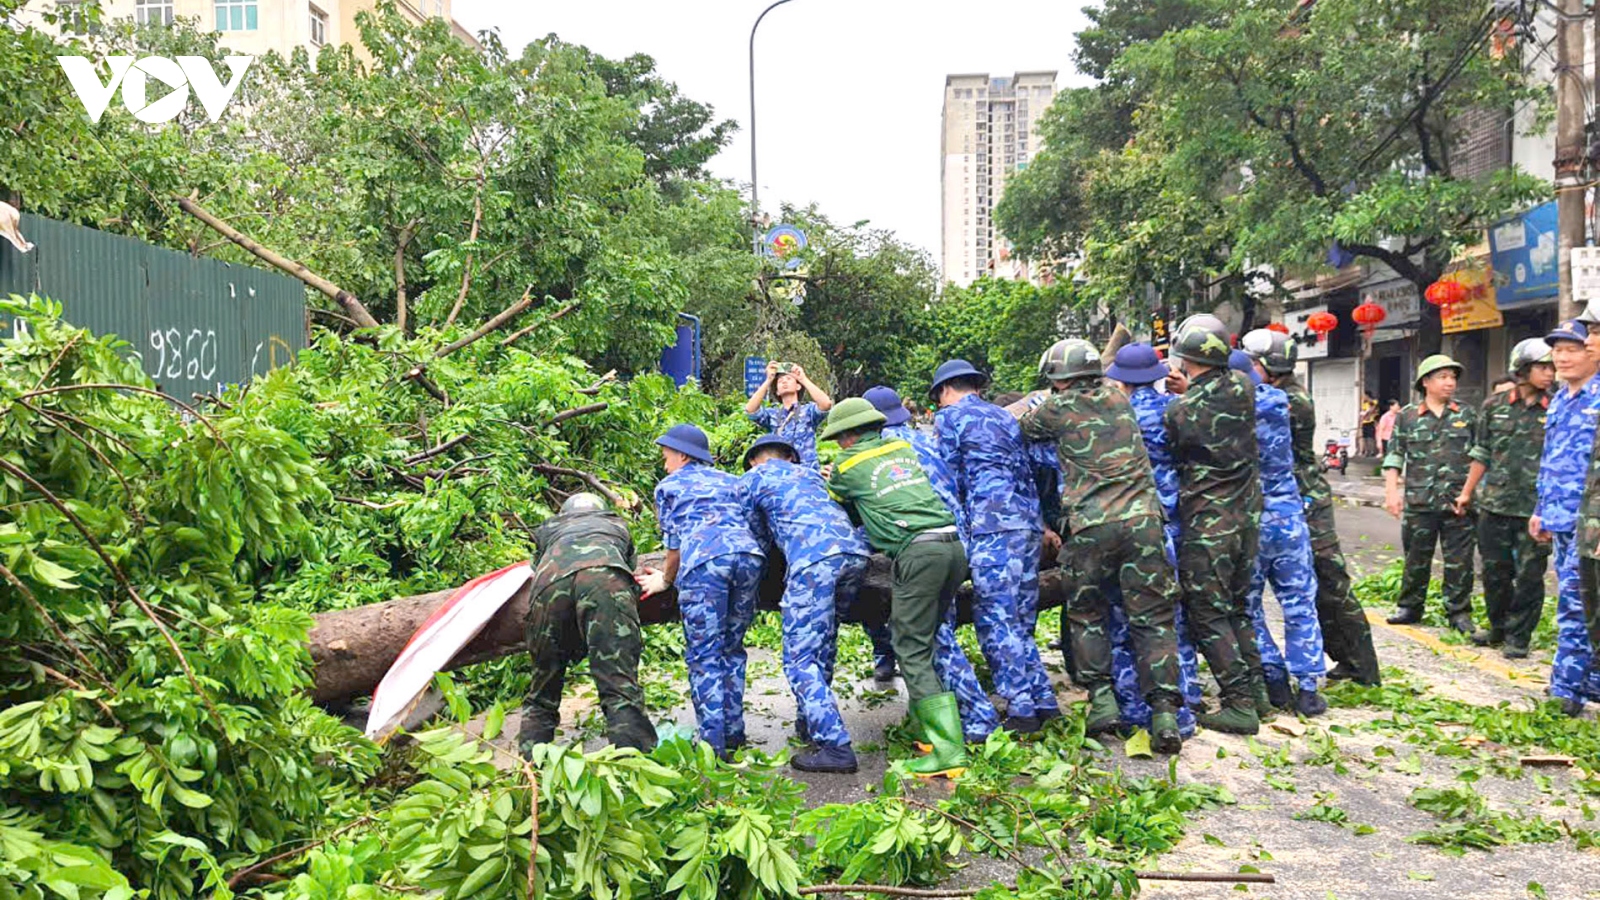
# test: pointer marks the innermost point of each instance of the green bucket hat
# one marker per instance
(1433, 364)
(855, 412)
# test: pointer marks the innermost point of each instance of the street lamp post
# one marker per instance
(755, 190)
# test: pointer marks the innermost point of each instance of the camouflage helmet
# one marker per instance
(1202, 339)
(1526, 353)
(584, 502)
(1272, 349)
(1070, 358)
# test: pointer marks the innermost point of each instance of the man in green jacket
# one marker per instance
(1503, 487)
(1432, 440)
(881, 484)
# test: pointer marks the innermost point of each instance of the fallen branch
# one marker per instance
(472, 237)
(61, 635)
(494, 324)
(369, 504)
(533, 835)
(1209, 877)
(417, 375)
(68, 388)
(431, 452)
(346, 300)
(577, 411)
(890, 890)
(333, 315)
(525, 331)
(588, 478)
(593, 389)
(239, 877)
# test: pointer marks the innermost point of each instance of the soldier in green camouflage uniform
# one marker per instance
(1431, 443)
(1212, 427)
(584, 602)
(1502, 487)
(1109, 504)
(1346, 636)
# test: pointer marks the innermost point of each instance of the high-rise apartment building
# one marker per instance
(252, 27)
(990, 130)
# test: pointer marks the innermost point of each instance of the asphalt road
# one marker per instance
(1312, 860)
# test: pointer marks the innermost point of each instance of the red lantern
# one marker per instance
(1368, 315)
(1322, 323)
(1445, 294)
(1279, 327)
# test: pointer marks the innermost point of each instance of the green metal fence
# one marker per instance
(197, 324)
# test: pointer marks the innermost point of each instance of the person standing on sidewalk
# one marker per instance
(1431, 441)
(1369, 424)
(882, 487)
(1568, 445)
(982, 445)
(1346, 635)
(1386, 426)
(1213, 434)
(1502, 487)
(1112, 514)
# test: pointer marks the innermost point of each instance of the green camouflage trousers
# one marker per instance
(1214, 571)
(1513, 575)
(1346, 634)
(1419, 531)
(594, 613)
(1132, 553)
(1589, 589)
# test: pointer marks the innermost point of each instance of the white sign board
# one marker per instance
(1585, 274)
(1333, 391)
(1300, 333)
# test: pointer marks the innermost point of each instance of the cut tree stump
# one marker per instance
(353, 648)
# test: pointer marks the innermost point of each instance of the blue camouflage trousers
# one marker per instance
(1005, 584)
(1285, 561)
(1573, 675)
(717, 600)
(1124, 672)
(978, 715)
(813, 598)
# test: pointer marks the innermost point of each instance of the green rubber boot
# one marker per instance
(1233, 719)
(941, 724)
(1165, 738)
(1104, 715)
(1264, 708)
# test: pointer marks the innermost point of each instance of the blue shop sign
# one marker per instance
(1522, 252)
(755, 374)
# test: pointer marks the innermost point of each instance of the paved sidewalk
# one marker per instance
(1356, 489)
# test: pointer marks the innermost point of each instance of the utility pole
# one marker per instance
(755, 187)
(1571, 146)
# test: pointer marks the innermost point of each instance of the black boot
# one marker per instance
(1462, 623)
(1405, 617)
(1310, 703)
(826, 760)
(1278, 692)
(1489, 637)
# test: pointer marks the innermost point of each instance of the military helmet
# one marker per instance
(1274, 350)
(1526, 353)
(1433, 364)
(1202, 339)
(1591, 313)
(584, 502)
(1070, 358)
(852, 413)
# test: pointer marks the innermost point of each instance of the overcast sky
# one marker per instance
(847, 91)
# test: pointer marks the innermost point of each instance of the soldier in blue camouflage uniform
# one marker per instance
(791, 420)
(1137, 368)
(1589, 510)
(1569, 439)
(1212, 431)
(1432, 443)
(1284, 558)
(787, 504)
(1113, 515)
(583, 603)
(716, 564)
(982, 445)
(978, 715)
(1503, 488)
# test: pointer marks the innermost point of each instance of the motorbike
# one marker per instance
(1336, 453)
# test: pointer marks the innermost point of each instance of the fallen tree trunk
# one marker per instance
(353, 648)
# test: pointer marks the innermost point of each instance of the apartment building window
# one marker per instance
(153, 12)
(319, 27)
(236, 15)
(72, 18)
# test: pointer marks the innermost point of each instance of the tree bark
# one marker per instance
(353, 648)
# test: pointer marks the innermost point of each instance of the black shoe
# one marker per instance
(885, 673)
(1278, 693)
(1513, 651)
(1021, 724)
(827, 760)
(1047, 715)
(1055, 644)
(1462, 623)
(1405, 617)
(1310, 703)
(1344, 672)
(1489, 637)
(1570, 708)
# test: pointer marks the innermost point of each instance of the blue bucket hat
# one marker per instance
(1137, 364)
(955, 368)
(769, 440)
(1570, 330)
(1240, 361)
(886, 401)
(688, 440)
